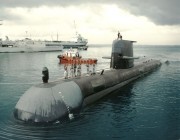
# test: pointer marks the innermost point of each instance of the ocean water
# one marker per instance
(146, 109)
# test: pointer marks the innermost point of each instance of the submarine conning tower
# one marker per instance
(122, 54)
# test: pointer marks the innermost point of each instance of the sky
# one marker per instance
(149, 22)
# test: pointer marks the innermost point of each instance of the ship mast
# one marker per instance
(1, 24)
(57, 36)
(75, 28)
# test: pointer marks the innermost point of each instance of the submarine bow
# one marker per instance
(48, 102)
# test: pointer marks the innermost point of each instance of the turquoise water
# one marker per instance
(148, 108)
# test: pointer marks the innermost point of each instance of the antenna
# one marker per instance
(57, 36)
(75, 27)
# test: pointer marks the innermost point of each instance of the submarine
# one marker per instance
(51, 101)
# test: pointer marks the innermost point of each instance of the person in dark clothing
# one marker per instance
(119, 35)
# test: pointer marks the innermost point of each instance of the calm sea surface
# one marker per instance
(146, 109)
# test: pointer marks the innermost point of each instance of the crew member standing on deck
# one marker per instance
(87, 69)
(65, 72)
(79, 70)
(119, 35)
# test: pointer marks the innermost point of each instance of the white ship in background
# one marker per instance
(28, 45)
(77, 42)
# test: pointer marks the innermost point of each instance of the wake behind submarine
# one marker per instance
(50, 102)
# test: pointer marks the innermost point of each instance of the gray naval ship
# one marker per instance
(53, 101)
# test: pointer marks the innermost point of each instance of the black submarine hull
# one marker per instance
(52, 101)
